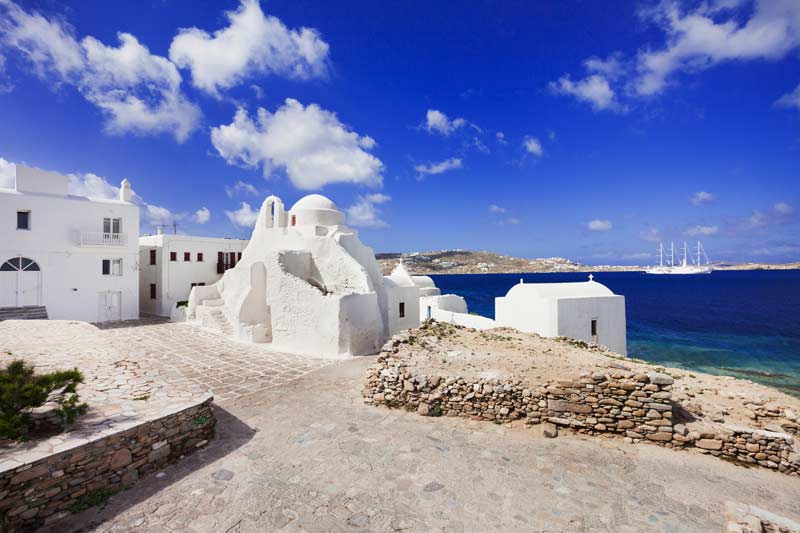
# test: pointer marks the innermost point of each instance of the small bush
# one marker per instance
(21, 390)
(182, 303)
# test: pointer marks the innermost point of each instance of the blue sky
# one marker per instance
(587, 130)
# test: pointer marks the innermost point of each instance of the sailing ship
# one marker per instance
(689, 264)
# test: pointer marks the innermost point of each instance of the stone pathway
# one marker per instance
(153, 358)
(312, 457)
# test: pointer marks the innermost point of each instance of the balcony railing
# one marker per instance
(99, 238)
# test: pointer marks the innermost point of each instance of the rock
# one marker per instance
(561, 406)
(652, 413)
(709, 444)
(680, 429)
(30, 473)
(752, 447)
(433, 486)
(660, 436)
(424, 409)
(790, 415)
(549, 430)
(660, 379)
(121, 457)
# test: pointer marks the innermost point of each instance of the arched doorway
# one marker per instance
(20, 282)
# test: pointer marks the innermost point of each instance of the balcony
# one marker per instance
(99, 238)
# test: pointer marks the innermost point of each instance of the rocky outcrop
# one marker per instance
(637, 406)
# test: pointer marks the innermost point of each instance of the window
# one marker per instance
(402, 309)
(201, 284)
(594, 327)
(112, 225)
(152, 291)
(187, 256)
(23, 220)
(239, 256)
(173, 256)
(294, 220)
(231, 259)
(152, 257)
(199, 257)
(112, 267)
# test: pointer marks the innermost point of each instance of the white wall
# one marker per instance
(409, 296)
(71, 273)
(463, 319)
(575, 316)
(443, 302)
(530, 314)
(174, 279)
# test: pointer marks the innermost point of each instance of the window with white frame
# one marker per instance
(112, 267)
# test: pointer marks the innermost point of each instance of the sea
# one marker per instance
(737, 323)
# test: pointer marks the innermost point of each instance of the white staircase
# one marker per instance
(211, 316)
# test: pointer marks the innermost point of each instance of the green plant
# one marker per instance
(182, 303)
(22, 390)
(142, 398)
(435, 410)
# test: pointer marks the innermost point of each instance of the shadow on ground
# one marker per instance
(231, 434)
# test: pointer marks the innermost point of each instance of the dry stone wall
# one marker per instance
(43, 491)
(636, 406)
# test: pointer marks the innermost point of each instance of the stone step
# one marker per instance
(29, 312)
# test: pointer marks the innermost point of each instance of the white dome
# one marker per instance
(314, 201)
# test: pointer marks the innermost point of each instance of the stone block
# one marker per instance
(709, 444)
(660, 379)
(561, 406)
(549, 430)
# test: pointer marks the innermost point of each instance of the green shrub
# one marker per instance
(21, 390)
(182, 303)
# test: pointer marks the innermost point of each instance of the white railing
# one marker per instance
(99, 238)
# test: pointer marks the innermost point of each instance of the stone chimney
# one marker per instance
(125, 193)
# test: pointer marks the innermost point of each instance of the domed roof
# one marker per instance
(314, 201)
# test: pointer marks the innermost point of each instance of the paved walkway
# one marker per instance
(154, 358)
(308, 455)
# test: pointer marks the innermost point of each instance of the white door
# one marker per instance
(20, 283)
(109, 306)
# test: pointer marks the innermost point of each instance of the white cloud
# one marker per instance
(310, 143)
(241, 187)
(8, 174)
(650, 235)
(159, 216)
(438, 122)
(701, 38)
(91, 186)
(512, 221)
(251, 44)
(757, 220)
(243, 217)
(533, 146)
(696, 231)
(783, 209)
(438, 168)
(610, 68)
(202, 215)
(138, 92)
(594, 89)
(501, 137)
(496, 209)
(551, 135)
(791, 99)
(701, 197)
(364, 214)
(599, 225)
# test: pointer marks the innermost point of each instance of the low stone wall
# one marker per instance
(45, 490)
(637, 406)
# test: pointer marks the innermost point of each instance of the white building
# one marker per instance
(170, 265)
(76, 256)
(306, 284)
(587, 311)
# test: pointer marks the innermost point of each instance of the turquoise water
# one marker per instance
(744, 324)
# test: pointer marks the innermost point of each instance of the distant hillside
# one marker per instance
(480, 262)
